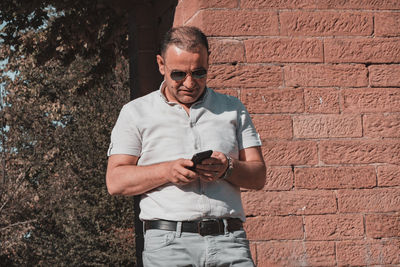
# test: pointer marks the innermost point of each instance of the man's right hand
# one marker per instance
(177, 172)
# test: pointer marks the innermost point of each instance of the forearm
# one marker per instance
(124, 177)
(248, 174)
(134, 180)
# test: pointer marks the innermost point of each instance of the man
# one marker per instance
(191, 217)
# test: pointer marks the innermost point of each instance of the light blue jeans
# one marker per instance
(176, 248)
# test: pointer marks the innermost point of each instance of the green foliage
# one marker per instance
(71, 28)
(56, 121)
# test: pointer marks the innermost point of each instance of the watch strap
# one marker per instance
(228, 170)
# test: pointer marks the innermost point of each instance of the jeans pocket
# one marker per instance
(240, 237)
(157, 239)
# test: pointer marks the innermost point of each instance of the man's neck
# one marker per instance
(169, 98)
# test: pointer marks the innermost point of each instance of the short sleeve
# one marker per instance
(246, 132)
(125, 136)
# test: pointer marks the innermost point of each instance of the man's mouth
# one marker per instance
(188, 91)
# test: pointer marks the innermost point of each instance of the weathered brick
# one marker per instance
(251, 4)
(236, 22)
(324, 100)
(368, 252)
(279, 178)
(389, 175)
(295, 253)
(325, 23)
(382, 225)
(226, 91)
(273, 101)
(289, 202)
(274, 227)
(218, 3)
(360, 152)
(362, 50)
(259, 4)
(318, 75)
(241, 75)
(369, 200)
(384, 75)
(382, 125)
(320, 4)
(362, 4)
(284, 50)
(285, 153)
(186, 9)
(387, 24)
(253, 250)
(371, 100)
(334, 227)
(273, 126)
(226, 50)
(327, 126)
(335, 177)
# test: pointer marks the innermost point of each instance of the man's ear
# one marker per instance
(161, 64)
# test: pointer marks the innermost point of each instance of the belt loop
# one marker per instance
(178, 232)
(226, 232)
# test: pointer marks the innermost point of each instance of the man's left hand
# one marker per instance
(213, 168)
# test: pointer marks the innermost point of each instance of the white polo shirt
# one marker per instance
(156, 130)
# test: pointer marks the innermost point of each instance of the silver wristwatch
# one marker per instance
(228, 171)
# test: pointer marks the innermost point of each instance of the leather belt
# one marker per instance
(203, 227)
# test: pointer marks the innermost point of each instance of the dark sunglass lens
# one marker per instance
(178, 75)
(198, 74)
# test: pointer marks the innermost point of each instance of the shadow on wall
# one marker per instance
(150, 20)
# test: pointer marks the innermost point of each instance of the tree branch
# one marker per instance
(16, 224)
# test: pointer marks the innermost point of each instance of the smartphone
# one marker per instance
(199, 157)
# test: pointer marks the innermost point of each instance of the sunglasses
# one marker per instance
(178, 75)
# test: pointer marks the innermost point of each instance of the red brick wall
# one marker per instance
(322, 82)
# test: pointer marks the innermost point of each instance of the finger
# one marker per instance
(212, 170)
(182, 168)
(209, 167)
(208, 176)
(180, 180)
(185, 163)
(188, 173)
(219, 155)
(207, 179)
(211, 161)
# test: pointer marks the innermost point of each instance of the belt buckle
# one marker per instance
(206, 227)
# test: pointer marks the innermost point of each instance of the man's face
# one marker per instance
(184, 74)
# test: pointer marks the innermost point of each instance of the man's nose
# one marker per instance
(189, 81)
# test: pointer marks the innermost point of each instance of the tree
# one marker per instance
(56, 121)
(70, 28)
